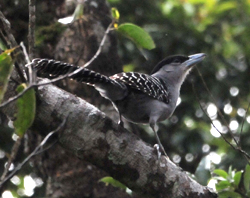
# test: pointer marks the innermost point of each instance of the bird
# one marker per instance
(137, 97)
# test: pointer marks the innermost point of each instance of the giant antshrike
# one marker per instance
(138, 97)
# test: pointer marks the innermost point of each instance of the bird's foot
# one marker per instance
(120, 122)
(159, 151)
(157, 148)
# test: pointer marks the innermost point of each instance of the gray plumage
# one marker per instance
(138, 97)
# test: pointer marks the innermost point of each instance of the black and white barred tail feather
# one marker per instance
(147, 84)
(55, 69)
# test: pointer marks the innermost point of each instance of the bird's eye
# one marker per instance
(176, 61)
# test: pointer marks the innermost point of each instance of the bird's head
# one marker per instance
(177, 66)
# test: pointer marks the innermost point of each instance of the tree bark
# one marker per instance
(90, 135)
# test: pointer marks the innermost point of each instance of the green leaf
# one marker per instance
(237, 178)
(221, 173)
(113, 182)
(128, 67)
(6, 66)
(222, 185)
(202, 172)
(2, 45)
(26, 107)
(139, 36)
(247, 178)
(225, 6)
(78, 13)
(229, 194)
(197, 1)
(115, 13)
(230, 172)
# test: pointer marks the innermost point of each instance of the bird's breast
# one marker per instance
(140, 108)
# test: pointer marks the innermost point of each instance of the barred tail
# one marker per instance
(52, 69)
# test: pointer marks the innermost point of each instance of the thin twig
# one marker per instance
(68, 75)
(63, 76)
(20, 73)
(203, 110)
(28, 70)
(14, 98)
(37, 150)
(27, 60)
(31, 38)
(246, 155)
(14, 80)
(100, 46)
(25, 52)
(219, 111)
(12, 157)
(32, 21)
(2, 34)
(10, 40)
(243, 122)
(6, 25)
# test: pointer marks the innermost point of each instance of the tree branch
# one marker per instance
(32, 74)
(90, 135)
(39, 149)
(237, 143)
(10, 39)
(32, 21)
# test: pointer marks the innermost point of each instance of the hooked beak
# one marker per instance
(194, 59)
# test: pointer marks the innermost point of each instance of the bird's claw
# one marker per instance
(157, 148)
(120, 122)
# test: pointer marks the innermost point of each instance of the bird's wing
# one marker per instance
(147, 84)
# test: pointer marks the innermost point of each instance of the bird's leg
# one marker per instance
(157, 148)
(153, 126)
(120, 122)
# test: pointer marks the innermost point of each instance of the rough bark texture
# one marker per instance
(80, 41)
(77, 45)
(90, 135)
